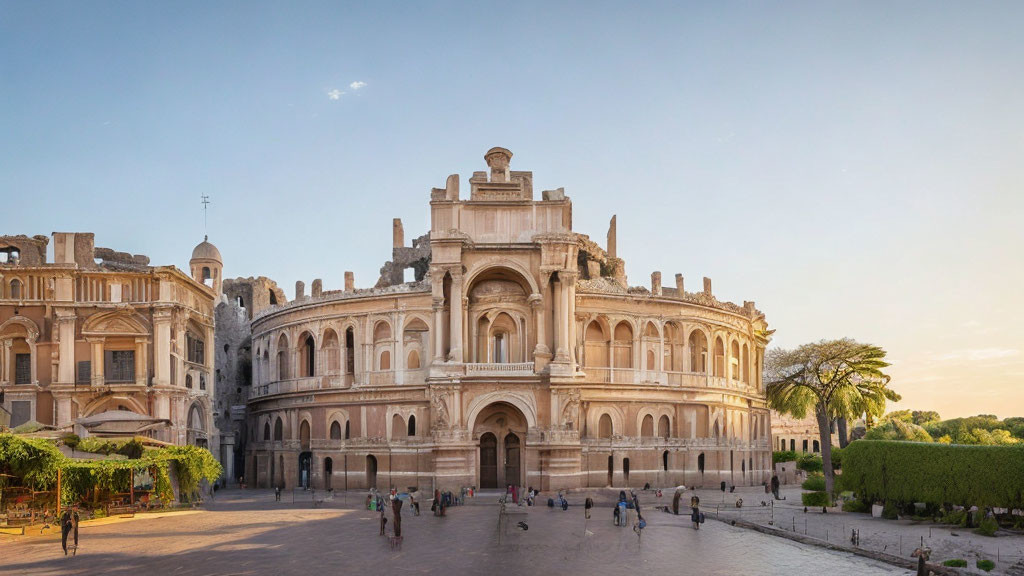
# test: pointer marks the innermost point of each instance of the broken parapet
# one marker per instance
(656, 283)
(300, 289)
(253, 294)
(450, 192)
(112, 260)
(317, 289)
(350, 281)
(707, 286)
(416, 257)
(679, 284)
(555, 195)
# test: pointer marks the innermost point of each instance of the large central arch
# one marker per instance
(500, 432)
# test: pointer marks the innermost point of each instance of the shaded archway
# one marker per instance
(503, 462)
(371, 471)
(328, 473)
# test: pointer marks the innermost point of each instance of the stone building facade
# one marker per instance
(101, 343)
(513, 352)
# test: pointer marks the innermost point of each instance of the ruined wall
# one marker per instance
(233, 376)
(257, 294)
(416, 257)
(23, 251)
(113, 260)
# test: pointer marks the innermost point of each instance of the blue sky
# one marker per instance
(854, 168)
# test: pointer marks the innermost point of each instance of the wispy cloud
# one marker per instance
(357, 85)
(334, 94)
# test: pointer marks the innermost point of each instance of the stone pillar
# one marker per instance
(612, 235)
(96, 349)
(317, 289)
(397, 233)
(536, 301)
(63, 411)
(455, 324)
(570, 311)
(5, 358)
(679, 284)
(561, 328)
(350, 281)
(141, 362)
(66, 353)
(162, 347)
(399, 347)
(656, 283)
(707, 286)
(300, 289)
(438, 331)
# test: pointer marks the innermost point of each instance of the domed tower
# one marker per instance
(207, 265)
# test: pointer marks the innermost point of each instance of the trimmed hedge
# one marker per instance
(815, 499)
(937, 474)
(814, 483)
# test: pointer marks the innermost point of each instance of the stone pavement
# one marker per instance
(896, 537)
(246, 532)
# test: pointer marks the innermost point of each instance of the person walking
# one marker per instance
(277, 493)
(587, 505)
(695, 514)
(68, 526)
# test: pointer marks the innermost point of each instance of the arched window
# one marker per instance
(385, 360)
(719, 357)
(413, 362)
(604, 426)
(266, 431)
(16, 289)
(304, 435)
(817, 446)
(745, 364)
(663, 427)
(623, 345)
(700, 463)
(412, 426)
(382, 345)
(650, 360)
(734, 361)
(308, 356)
(282, 358)
(647, 427)
(346, 430)
(595, 348)
(397, 427)
(273, 298)
(664, 460)
(350, 351)
(188, 381)
(278, 430)
(335, 430)
(698, 344)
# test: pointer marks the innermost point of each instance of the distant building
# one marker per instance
(101, 343)
(797, 434)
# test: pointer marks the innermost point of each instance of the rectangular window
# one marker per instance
(196, 349)
(120, 365)
(22, 368)
(805, 445)
(84, 371)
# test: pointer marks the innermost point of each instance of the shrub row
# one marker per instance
(934, 473)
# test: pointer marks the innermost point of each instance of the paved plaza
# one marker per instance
(247, 532)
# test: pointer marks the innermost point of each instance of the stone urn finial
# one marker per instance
(497, 159)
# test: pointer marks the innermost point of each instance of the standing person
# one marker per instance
(396, 509)
(695, 514)
(383, 518)
(775, 487)
(69, 524)
(587, 505)
(675, 501)
(277, 493)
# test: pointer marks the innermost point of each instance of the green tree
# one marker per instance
(897, 429)
(832, 378)
(901, 415)
(922, 417)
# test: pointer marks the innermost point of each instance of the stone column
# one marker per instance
(5, 358)
(562, 327)
(438, 329)
(141, 368)
(162, 347)
(66, 351)
(399, 333)
(96, 348)
(570, 312)
(536, 301)
(465, 330)
(455, 324)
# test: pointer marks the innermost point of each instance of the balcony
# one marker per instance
(499, 369)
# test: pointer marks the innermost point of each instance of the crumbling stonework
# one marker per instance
(254, 294)
(22, 250)
(416, 257)
(233, 365)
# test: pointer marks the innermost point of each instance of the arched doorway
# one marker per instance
(196, 427)
(501, 430)
(611, 470)
(328, 473)
(371, 471)
(488, 461)
(512, 460)
(305, 462)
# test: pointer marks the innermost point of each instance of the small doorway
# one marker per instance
(625, 471)
(488, 461)
(328, 473)
(371, 471)
(305, 460)
(512, 459)
(611, 471)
